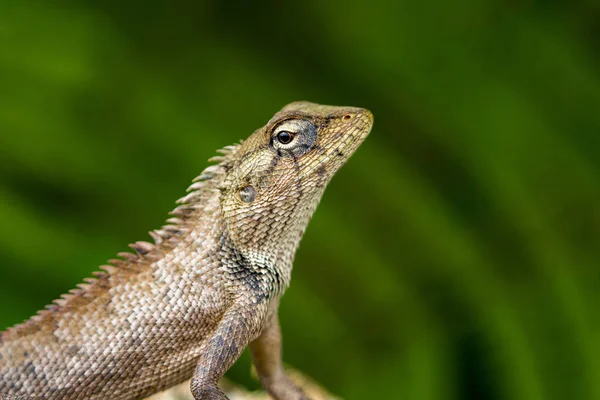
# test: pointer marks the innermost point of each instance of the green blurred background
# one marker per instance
(455, 257)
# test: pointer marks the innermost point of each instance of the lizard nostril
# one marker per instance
(347, 117)
(248, 194)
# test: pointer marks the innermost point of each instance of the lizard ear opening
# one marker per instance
(248, 194)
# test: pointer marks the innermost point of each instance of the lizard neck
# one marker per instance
(269, 252)
(258, 270)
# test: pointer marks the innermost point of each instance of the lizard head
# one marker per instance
(276, 177)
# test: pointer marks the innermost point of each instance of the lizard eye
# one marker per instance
(294, 137)
(285, 137)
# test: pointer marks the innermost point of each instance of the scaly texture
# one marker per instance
(187, 305)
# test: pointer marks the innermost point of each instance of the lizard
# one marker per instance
(209, 286)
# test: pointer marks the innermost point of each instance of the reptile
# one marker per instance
(209, 286)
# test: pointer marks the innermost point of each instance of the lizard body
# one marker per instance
(187, 305)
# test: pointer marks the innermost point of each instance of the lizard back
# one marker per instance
(142, 316)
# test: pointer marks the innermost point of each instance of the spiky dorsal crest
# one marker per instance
(165, 239)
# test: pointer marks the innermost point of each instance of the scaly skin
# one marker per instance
(187, 305)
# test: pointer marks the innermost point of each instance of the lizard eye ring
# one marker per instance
(294, 137)
(285, 137)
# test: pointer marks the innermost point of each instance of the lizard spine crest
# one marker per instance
(145, 253)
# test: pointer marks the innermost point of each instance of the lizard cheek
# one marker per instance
(248, 194)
